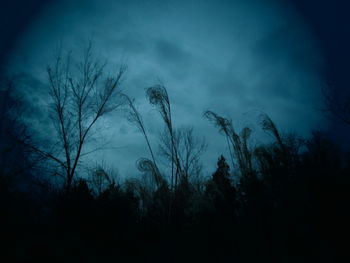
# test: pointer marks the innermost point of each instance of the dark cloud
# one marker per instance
(329, 20)
(235, 57)
(15, 17)
(174, 57)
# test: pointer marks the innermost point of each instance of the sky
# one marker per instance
(238, 58)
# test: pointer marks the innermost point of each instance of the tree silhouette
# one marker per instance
(221, 187)
(222, 173)
(189, 150)
(81, 93)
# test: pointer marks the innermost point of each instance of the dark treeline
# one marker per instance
(284, 201)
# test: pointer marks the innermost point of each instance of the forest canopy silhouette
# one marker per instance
(286, 200)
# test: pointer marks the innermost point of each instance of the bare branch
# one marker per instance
(81, 94)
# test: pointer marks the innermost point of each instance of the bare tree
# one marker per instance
(81, 93)
(189, 150)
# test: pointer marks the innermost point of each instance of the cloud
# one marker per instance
(234, 57)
